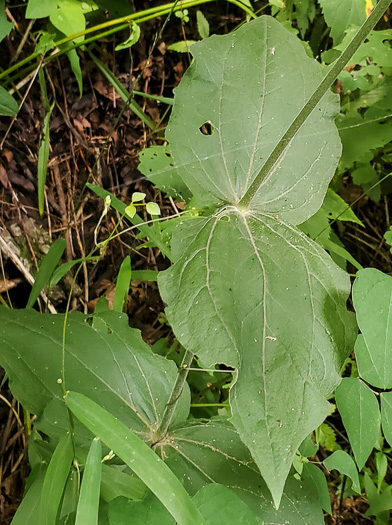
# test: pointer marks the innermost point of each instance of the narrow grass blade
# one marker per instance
(63, 269)
(55, 480)
(138, 456)
(88, 506)
(145, 275)
(46, 269)
(146, 231)
(43, 157)
(126, 97)
(122, 285)
(43, 153)
(29, 508)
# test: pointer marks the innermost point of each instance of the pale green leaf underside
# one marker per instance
(256, 294)
(107, 361)
(250, 85)
(372, 298)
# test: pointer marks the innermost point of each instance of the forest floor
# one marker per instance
(94, 139)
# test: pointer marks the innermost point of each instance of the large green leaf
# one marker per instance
(250, 85)
(247, 288)
(238, 274)
(202, 452)
(104, 359)
(372, 297)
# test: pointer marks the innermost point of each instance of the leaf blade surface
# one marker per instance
(247, 98)
(254, 284)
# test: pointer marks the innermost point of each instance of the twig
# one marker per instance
(10, 251)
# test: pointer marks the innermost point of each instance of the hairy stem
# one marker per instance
(175, 395)
(315, 98)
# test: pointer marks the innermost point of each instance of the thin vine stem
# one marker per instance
(175, 395)
(314, 99)
(121, 23)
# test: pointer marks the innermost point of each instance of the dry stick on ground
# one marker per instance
(10, 251)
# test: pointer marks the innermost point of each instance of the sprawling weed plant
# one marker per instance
(252, 146)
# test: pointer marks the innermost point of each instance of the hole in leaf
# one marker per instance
(89, 320)
(207, 128)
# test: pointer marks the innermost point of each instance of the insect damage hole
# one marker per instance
(207, 128)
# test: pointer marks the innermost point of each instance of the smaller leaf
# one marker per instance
(337, 208)
(46, 269)
(5, 26)
(381, 461)
(69, 18)
(316, 475)
(327, 438)
(386, 416)
(8, 105)
(88, 505)
(183, 46)
(308, 447)
(378, 503)
(344, 463)
(40, 8)
(130, 210)
(153, 208)
(367, 177)
(138, 196)
(55, 480)
(122, 285)
(157, 164)
(360, 413)
(133, 38)
(372, 291)
(202, 25)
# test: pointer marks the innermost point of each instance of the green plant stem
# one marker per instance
(312, 102)
(121, 23)
(175, 395)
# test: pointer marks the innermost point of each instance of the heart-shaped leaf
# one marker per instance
(231, 109)
(247, 288)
